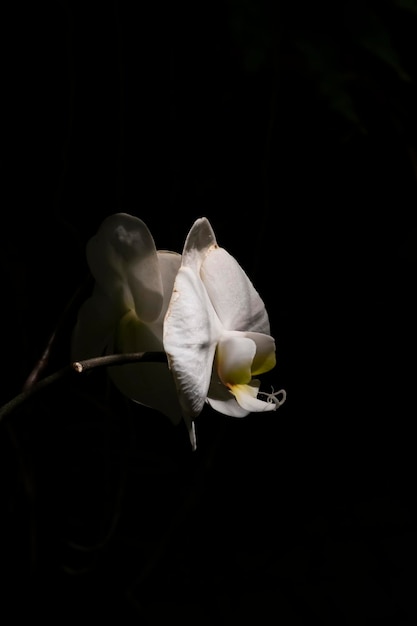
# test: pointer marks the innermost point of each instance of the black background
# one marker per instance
(292, 127)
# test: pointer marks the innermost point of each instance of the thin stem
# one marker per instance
(73, 304)
(80, 367)
(119, 359)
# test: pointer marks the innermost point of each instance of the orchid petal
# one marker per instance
(132, 335)
(246, 396)
(191, 333)
(234, 359)
(199, 241)
(264, 359)
(122, 258)
(235, 299)
(169, 263)
(222, 400)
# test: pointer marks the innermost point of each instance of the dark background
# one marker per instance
(292, 127)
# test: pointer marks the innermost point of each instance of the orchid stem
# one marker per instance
(118, 359)
(80, 367)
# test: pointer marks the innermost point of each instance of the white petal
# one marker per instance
(264, 359)
(191, 333)
(199, 241)
(169, 264)
(246, 397)
(123, 260)
(235, 299)
(221, 399)
(234, 359)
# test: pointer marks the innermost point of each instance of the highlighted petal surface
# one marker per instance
(191, 333)
(235, 299)
(234, 359)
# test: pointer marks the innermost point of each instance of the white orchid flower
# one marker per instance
(202, 310)
(125, 313)
(216, 332)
